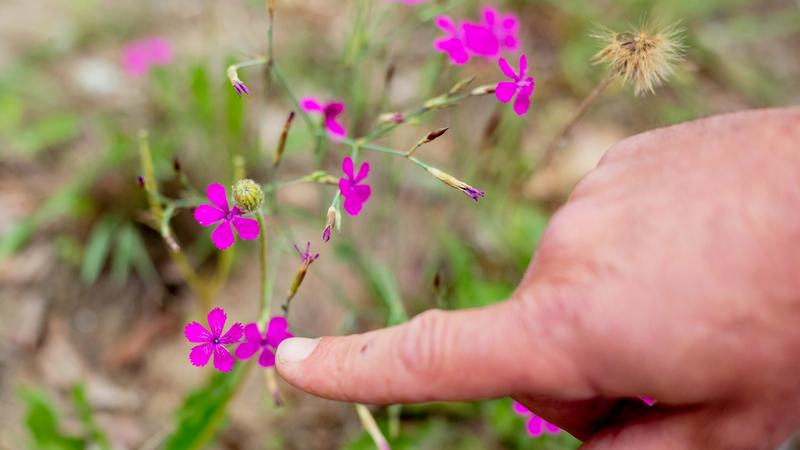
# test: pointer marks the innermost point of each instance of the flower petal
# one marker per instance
(362, 191)
(207, 215)
(222, 236)
(200, 354)
(510, 22)
(310, 104)
(277, 331)
(233, 336)
(353, 205)
(363, 171)
(195, 332)
(252, 333)
(267, 358)
(246, 349)
(520, 409)
(480, 40)
(505, 90)
(333, 109)
(344, 186)
(507, 70)
(335, 129)
(534, 426)
(521, 103)
(223, 360)
(445, 23)
(523, 65)
(216, 195)
(454, 48)
(489, 15)
(246, 228)
(216, 321)
(347, 167)
(550, 428)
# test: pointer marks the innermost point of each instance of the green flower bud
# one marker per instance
(248, 195)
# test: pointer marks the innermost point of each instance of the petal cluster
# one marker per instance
(139, 56)
(213, 341)
(352, 187)
(217, 212)
(521, 85)
(277, 332)
(330, 112)
(487, 38)
(535, 425)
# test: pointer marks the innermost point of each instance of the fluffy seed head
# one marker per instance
(644, 57)
(248, 195)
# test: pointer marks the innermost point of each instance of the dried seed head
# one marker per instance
(248, 195)
(644, 57)
(454, 182)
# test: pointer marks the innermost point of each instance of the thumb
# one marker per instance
(456, 355)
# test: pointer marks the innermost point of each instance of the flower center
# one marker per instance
(216, 340)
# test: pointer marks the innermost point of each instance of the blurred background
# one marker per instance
(91, 307)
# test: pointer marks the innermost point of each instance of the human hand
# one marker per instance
(673, 271)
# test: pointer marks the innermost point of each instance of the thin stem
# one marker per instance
(264, 270)
(555, 143)
(270, 27)
(369, 424)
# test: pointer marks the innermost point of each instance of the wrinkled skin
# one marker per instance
(673, 271)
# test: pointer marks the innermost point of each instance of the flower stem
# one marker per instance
(369, 424)
(555, 143)
(264, 272)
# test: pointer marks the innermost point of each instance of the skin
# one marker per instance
(673, 271)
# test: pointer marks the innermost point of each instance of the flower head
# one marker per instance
(330, 111)
(306, 257)
(454, 182)
(213, 341)
(536, 425)
(355, 192)
(248, 195)
(521, 85)
(139, 56)
(238, 85)
(644, 57)
(277, 332)
(219, 213)
(494, 33)
(453, 41)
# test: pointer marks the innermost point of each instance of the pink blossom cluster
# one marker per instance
(214, 341)
(488, 38)
(139, 56)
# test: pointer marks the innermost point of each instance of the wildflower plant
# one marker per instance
(242, 206)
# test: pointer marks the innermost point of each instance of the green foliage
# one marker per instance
(199, 418)
(87, 418)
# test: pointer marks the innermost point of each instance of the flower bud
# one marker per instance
(248, 195)
(484, 90)
(454, 182)
(329, 224)
(238, 84)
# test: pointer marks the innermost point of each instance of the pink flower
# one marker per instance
(494, 33)
(219, 212)
(330, 111)
(522, 86)
(354, 193)
(536, 425)
(453, 42)
(139, 56)
(213, 341)
(277, 332)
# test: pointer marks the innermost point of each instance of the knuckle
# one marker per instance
(420, 350)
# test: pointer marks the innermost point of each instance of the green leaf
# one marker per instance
(47, 133)
(87, 417)
(41, 421)
(202, 411)
(123, 254)
(97, 249)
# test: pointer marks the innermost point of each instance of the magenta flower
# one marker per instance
(218, 212)
(354, 192)
(495, 33)
(536, 426)
(330, 111)
(453, 42)
(277, 332)
(213, 341)
(521, 85)
(139, 56)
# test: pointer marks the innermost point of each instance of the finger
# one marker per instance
(494, 351)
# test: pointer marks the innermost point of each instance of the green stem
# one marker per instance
(264, 272)
(369, 424)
